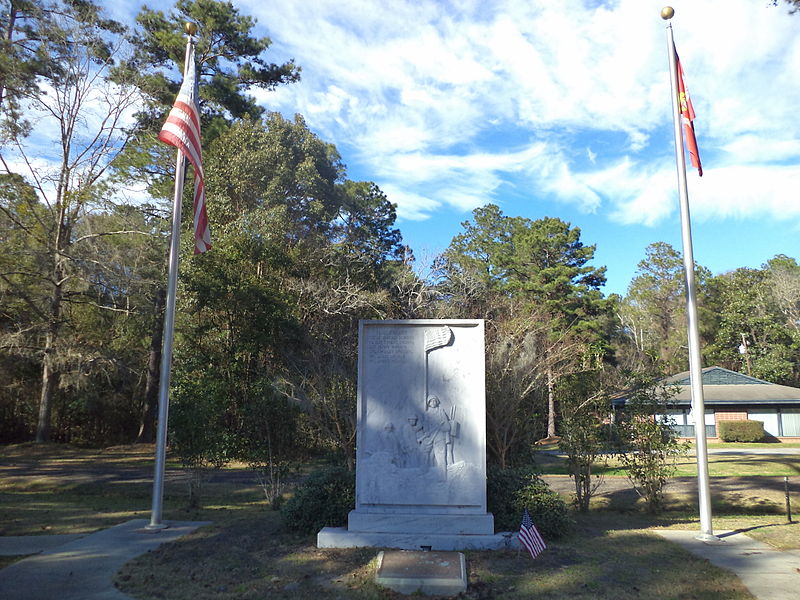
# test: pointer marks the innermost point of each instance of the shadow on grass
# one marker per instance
(753, 528)
(255, 558)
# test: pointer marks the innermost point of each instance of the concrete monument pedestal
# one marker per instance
(421, 439)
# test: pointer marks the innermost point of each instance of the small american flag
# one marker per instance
(182, 130)
(529, 536)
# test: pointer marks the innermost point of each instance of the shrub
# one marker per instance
(647, 445)
(323, 500)
(510, 491)
(741, 431)
(199, 434)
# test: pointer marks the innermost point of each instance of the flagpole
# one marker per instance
(169, 326)
(695, 365)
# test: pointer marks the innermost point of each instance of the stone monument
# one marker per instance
(421, 439)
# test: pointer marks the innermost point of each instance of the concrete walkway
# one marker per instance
(71, 567)
(18, 545)
(769, 574)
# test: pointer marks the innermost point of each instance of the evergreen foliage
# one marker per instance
(741, 431)
(323, 500)
(510, 491)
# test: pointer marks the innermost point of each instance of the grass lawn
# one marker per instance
(719, 465)
(252, 558)
(36, 497)
(743, 446)
(247, 553)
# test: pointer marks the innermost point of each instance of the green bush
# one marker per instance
(323, 500)
(741, 431)
(510, 491)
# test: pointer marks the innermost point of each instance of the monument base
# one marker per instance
(449, 523)
(341, 537)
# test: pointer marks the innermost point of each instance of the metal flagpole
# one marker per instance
(695, 366)
(169, 327)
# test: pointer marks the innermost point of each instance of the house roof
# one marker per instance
(725, 387)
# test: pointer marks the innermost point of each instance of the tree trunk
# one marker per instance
(8, 35)
(50, 375)
(147, 425)
(551, 405)
(49, 383)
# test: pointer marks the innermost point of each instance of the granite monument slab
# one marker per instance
(421, 439)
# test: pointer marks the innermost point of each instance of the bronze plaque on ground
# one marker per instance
(435, 573)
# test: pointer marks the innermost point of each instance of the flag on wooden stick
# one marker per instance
(687, 118)
(182, 130)
(529, 536)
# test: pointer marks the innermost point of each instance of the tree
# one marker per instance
(22, 60)
(647, 442)
(541, 263)
(230, 61)
(755, 330)
(300, 255)
(87, 114)
(653, 312)
(584, 402)
(32, 47)
(653, 306)
(783, 276)
(513, 377)
(794, 4)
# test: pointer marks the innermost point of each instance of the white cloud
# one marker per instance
(755, 149)
(418, 98)
(409, 205)
(641, 196)
(743, 192)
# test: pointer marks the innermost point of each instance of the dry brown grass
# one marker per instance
(606, 558)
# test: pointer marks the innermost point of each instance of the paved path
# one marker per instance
(83, 567)
(769, 574)
(17, 545)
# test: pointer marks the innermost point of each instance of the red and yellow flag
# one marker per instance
(687, 117)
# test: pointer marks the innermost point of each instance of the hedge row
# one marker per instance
(741, 431)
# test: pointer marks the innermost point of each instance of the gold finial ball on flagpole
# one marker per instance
(667, 13)
(191, 28)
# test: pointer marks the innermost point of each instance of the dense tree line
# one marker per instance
(266, 334)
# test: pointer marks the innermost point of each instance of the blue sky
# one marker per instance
(555, 109)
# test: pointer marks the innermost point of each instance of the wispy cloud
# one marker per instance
(412, 95)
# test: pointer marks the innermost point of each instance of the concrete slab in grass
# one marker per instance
(432, 573)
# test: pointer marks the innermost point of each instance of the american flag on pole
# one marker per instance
(182, 130)
(529, 536)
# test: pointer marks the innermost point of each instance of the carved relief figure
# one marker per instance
(391, 444)
(439, 434)
(410, 441)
